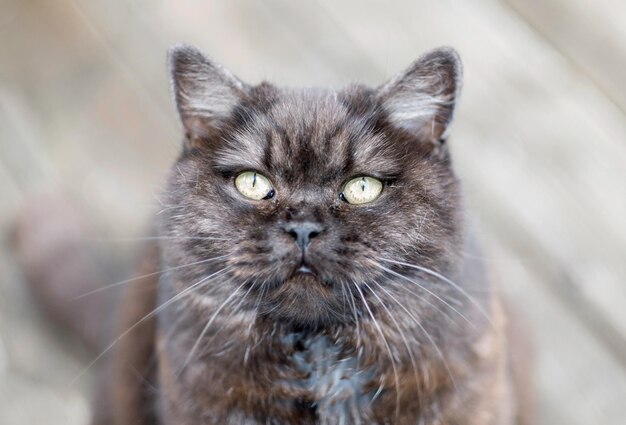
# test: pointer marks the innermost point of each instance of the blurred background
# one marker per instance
(539, 141)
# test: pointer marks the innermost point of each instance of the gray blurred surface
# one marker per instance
(539, 140)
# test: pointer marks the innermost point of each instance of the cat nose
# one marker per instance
(303, 232)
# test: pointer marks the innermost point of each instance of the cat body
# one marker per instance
(347, 292)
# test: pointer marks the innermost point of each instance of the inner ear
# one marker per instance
(422, 99)
(205, 92)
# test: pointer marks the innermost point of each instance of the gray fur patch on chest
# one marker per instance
(340, 390)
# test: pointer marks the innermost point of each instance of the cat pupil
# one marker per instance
(254, 180)
(363, 184)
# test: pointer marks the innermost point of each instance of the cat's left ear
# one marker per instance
(422, 99)
(205, 93)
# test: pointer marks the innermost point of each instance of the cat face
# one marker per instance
(302, 197)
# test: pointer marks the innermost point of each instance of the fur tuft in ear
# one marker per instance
(205, 92)
(422, 99)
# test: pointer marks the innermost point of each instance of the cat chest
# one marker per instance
(304, 380)
(320, 375)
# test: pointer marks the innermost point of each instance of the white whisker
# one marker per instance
(122, 282)
(207, 326)
(404, 339)
(417, 322)
(178, 296)
(382, 334)
(401, 276)
(159, 238)
(445, 279)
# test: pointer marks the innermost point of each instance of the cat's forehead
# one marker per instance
(316, 108)
(309, 134)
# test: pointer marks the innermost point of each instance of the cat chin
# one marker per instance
(305, 299)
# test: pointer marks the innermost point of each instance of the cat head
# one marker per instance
(306, 201)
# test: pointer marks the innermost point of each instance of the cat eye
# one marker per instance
(362, 190)
(254, 185)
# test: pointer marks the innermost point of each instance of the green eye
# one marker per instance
(362, 190)
(254, 185)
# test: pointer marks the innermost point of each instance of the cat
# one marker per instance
(312, 264)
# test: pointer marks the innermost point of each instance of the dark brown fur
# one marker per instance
(396, 324)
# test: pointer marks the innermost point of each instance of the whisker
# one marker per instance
(235, 309)
(404, 340)
(122, 282)
(417, 322)
(343, 296)
(358, 327)
(207, 326)
(427, 290)
(431, 304)
(382, 334)
(257, 303)
(445, 279)
(158, 238)
(256, 314)
(148, 316)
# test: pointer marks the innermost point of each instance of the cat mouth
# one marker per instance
(307, 273)
(304, 269)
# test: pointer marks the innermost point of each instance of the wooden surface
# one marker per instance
(539, 140)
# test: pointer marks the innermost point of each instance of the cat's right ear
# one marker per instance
(205, 93)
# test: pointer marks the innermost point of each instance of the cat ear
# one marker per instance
(422, 99)
(204, 91)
